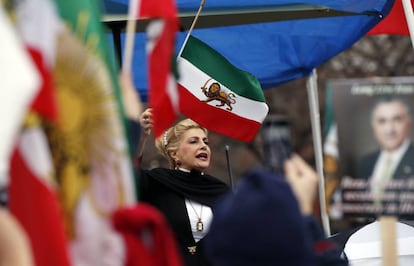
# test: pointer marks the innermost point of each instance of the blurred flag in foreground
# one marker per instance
(218, 95)
(33, 191)
(33, 196)
(16, 92)
(89, 144)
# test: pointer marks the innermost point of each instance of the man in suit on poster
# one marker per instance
(391, 123)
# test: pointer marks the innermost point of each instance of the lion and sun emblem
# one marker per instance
(214, 92)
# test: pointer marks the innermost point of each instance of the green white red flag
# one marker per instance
(163, 96)
(89, 145)
(32, 184)
(217, 94)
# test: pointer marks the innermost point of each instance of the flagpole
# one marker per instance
(229, 167)
(317, 143)
(191, 28)
(130, 35)
(409, 16)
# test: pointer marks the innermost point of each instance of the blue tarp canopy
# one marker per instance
(275, 40)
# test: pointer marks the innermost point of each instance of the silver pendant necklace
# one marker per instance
(199, 224)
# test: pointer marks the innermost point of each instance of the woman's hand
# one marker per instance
(304, 182)
(146, 121)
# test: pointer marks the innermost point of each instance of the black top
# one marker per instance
(405, 168)
(167, 190)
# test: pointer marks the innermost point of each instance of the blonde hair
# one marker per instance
(172, 137)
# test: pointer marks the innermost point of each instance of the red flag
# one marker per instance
(33, 196)
(44, 102)
(33, 199)
(394, 23)
(163, 95)
(143, 219)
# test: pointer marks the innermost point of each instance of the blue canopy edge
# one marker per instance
(278, 51)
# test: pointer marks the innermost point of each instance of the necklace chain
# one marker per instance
(199, 224)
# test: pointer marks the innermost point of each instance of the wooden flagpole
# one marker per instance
(191, 28)
(388, 231)
(133, 12)
(130, 35)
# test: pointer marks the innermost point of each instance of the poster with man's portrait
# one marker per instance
(374, 123)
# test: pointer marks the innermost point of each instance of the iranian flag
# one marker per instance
(163, 95)
(89, 145)
(33, 196)
(218, 95)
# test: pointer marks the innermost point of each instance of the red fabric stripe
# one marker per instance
(45, 101)
(36, 207)
(323, 246)
(131, 222)
(159, 62)
(216, 119)
(160, 69)
(394, 23)
(152, 9)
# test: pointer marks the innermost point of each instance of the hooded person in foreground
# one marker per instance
(268, 221)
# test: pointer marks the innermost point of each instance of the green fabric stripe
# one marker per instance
(218, 67)
(83, 17)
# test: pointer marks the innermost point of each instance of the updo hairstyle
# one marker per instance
(172, 137)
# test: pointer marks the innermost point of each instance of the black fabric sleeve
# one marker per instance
(327, 252)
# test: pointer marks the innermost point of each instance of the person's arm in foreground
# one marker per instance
(304, 183)
(14, 245)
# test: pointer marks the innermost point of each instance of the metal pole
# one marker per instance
(312, 88)
(229, 167)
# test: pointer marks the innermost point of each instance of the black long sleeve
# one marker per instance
(327, 252)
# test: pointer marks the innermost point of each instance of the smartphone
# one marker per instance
(276, 136)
